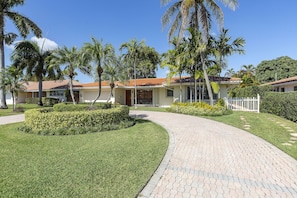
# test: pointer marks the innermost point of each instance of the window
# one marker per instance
(282, 89)
(295, 88)
(144, 97)
(169, 93)
(56, 93)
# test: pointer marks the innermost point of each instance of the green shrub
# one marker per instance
(250, 91)
(48, 121)
(199, 109)
(31, 100)
(49, 101)
(281, 104)
(62, 107)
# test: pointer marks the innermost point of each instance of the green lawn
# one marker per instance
(266, 126)
(107, 164)
(20, 109)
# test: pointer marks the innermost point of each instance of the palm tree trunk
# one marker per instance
(3, 104)
(209, 90)
(71, 91)
(40, 91)
(99, 91)
(13, 101)
(111, 91)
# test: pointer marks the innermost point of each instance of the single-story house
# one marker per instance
(58, 89)
(284, 85)
(150, 91)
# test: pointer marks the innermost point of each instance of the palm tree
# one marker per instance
(196, 14)
(132, 56)
(99, 55)
(12, 82)
(230, 73)
(222, 48)
(23, 24)
(28, 55)
(175, 60)
(71, 59)
(114, 70)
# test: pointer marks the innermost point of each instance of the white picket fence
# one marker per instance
(243, 104)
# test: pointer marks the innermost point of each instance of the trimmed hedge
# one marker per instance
(199, 109)
(47, 121)
(281, 104)
(62, 107)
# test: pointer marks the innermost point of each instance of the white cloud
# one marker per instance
(44, 43)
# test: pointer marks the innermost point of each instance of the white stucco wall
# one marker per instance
(90, 95)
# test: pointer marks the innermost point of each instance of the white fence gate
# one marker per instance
(243, 104)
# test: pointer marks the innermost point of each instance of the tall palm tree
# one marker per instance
(114, 70)
(29, 56)
(197, 14)
(71, 59)
(132, 56)
(99, 55)
(23, 24)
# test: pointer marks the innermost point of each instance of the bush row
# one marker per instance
(199, 109)
(47, 101)
(42, 120)
(281, 104)
(62, 107)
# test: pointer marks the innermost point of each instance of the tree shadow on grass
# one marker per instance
(141, 121)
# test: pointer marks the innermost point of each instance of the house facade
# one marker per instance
(158, 92)
(284, 85)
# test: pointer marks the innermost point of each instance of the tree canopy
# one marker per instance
(276, 69)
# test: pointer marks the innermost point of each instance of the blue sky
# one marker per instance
(267, 26)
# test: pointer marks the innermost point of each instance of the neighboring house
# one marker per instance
(57, 89)
(284, 85)
(150, 91)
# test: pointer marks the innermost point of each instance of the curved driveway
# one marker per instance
(210, 159)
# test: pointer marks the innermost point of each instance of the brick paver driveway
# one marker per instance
(210, 159)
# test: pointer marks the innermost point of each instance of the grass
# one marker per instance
(266, 126)
(106, 164)
(20, 109)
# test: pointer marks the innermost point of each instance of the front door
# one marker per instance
(128, 97)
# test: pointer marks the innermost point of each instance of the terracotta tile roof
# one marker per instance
(294, 78)
(47, 85)
(156, 81)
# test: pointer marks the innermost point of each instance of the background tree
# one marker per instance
(23, 24)
(12, 82)
(100, 54)
(71, 59)
(276, 69)
(29, 56)
(149, 60)
(196, 14)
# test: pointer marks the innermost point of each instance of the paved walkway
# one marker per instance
(12, 119)
(210, 159)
